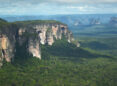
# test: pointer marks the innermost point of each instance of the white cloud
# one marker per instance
(57, 6)
(60, 1)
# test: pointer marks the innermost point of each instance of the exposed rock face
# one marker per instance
(5, 48)
(48, 32)
(33, 48)
(7, 42)
(30, 35)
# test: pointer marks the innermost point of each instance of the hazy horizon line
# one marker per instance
(62, 14)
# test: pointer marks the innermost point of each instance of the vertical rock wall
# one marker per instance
(31, 35)
(46, 34)
(33, 48)
(7, 49)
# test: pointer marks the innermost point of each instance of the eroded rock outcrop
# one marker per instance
(33, 48)
(48, 32)
(7, 41)
(29, 35)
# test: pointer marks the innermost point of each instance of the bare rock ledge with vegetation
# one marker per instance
(27, 36)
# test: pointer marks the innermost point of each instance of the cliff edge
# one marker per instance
(28, 36)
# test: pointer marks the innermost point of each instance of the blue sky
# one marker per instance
(53, 7)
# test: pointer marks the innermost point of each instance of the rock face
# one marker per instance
(7, 41)
(30, 34)
(33, 48)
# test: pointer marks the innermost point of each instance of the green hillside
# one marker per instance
(62, 65)
(102, 30)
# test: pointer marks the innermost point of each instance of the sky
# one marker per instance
(54, 7)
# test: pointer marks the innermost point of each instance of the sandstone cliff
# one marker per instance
(7, 41)
(30, 34)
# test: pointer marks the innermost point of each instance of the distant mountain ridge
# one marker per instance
(113, 21)
(85, 19)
